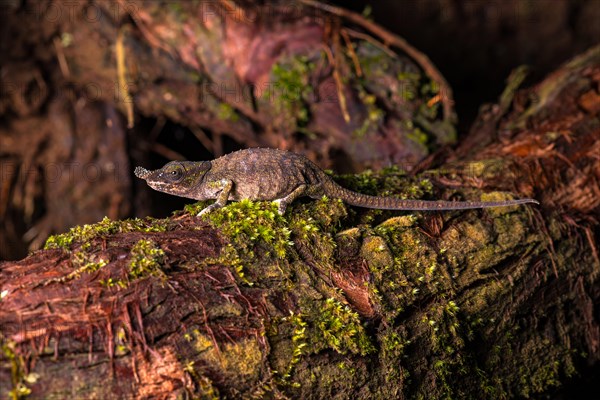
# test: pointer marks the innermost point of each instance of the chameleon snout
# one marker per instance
(141, 173)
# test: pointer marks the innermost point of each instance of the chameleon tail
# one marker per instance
(390, 203)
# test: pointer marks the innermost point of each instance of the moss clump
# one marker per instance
(314, 225)
(253, 222)
(227, 113)
(194, 208)
(19, 379)
(256, 232)
(291, 77)
(340, 328)
(145, 260)
(299, 343)
(85, 233)
(86, 262)
(388, 181)
(393, 348)
(374, 117)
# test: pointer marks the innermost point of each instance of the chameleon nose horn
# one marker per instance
(141, 173)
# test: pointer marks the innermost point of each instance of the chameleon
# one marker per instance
(280, 176)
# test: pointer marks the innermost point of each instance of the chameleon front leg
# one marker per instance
(225, 185)
(283, 202)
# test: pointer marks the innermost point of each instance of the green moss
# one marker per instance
(255, 231)
(145, 260)
(227, 113)
(379, 257)
(387, 181)
(248, 222)
(409, 84)
(394, 345)
(340, 328)
(83, 262)
(291, 77)
(110, 282)
(86, 262)
(374, 117)
(418, 136)
(19, 380)
(194, 208)
(299, 343)
(85, 233)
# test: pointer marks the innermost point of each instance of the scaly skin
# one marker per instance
(277, 175)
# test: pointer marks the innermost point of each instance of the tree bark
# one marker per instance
(333, 302)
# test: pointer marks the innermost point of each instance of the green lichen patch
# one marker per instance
(239, 360)
(145, 260)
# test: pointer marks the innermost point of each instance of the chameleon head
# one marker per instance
(178, 178)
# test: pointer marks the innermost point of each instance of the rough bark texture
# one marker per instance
(326, 302)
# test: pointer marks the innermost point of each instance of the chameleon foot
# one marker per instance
(281, 206)
(208, 209)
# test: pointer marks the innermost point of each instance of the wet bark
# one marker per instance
(330, 302)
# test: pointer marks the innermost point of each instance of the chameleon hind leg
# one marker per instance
(226, 186)
(283, 202)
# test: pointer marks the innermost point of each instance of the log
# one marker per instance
(334, 302)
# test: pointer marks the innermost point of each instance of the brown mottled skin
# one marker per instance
(278, 175)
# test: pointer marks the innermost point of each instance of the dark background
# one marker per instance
(476, 43)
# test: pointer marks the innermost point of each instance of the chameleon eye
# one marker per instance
(175, 174)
